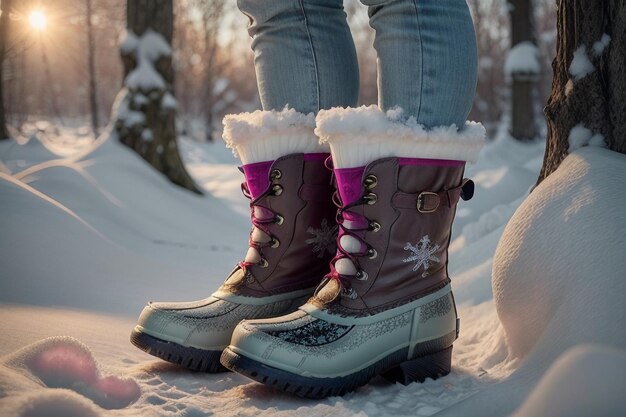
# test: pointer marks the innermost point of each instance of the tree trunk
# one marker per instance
(91, 64)
(594, 99)
(146, 108)
(4, 31)
(523, 126)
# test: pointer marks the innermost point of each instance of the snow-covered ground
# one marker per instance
(89, 233)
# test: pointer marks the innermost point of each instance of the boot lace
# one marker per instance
(262, 219)
(367, 225)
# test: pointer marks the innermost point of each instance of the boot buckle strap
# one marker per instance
(428, 202)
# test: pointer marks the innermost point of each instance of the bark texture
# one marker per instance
(4, 31)
(598, 99)
(523, 126)
(153, 134)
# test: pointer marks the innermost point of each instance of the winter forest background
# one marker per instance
(47, 73)
(89, 232)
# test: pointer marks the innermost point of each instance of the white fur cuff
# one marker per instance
(358, 136)
(267, 135)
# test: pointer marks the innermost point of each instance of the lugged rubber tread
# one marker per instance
(394, 367)
(187, 357)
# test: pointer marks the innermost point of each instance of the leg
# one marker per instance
(386, 307)
(427, 59)
(303, 54)
(304, 58)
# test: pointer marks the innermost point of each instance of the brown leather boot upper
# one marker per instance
(410, 210)
(302, 231)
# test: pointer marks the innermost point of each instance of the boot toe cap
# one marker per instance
(257, 340)
(187, 324)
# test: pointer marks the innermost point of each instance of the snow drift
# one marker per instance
(560, 263)
(585, 381)
(100, 231)
(558, 284)
(67, 365)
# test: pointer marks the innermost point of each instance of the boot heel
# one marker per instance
(432, 366)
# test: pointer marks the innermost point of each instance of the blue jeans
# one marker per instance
(305, 57)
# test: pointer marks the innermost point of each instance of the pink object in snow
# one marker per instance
(66, 363)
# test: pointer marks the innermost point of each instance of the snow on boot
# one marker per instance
(292, 240)
(386, 307)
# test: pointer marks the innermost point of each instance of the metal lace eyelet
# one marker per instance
(375, 226)
(371, 253)
(276, 174)
(370, 181)
(371, 198)
(362, 275)
(263, 263)
(277, 189)
(279, 219)
(275, 243)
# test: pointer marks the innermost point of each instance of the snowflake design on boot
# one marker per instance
(323, 238)
(422, 254)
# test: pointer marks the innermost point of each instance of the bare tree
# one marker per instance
(91, 68)
(523, 126)
(589, 85)
(146, 107)
(490, 22)
(202, 63)
(211, 17)
(5, 6)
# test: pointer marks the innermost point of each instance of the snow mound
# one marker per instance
(523, 58)
(108, 219)
(586, 380)
(580, 136)
(18, 155)
(581, 66)
(102, 231)
(490, 221)
(506, 171)
(64, 362)
(558, 269)
(499, 186)
(557, 281)
(53, 403)
(601, 45)
(147, 49)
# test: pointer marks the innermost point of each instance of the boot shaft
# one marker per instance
(409, 210)
(299, 199)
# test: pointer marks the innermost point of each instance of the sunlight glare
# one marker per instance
(37, 20)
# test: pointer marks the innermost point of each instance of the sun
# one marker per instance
(37, 20)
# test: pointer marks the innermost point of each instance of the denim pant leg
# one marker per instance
(427, 58)
(304, 55)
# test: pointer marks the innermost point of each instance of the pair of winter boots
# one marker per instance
(283, 317)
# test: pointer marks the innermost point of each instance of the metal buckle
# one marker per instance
(420, 202)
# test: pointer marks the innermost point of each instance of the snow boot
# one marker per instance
(386, 307)
(292, 240)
